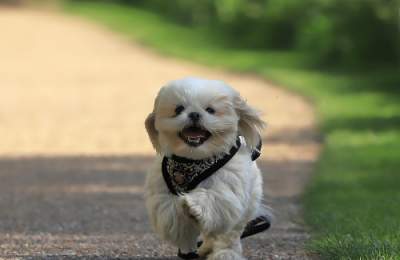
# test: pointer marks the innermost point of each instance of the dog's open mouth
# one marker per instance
(194, 135)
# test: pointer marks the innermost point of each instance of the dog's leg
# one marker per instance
(227, 246)
(219, 215)
(207, 246)
(225, 254)
(215, 212)
(170, 222)
(188, 236)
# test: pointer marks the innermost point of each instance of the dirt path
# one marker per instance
(74, 151)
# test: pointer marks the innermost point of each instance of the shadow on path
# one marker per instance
(93, 208)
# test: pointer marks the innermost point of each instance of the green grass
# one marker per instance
(353, 202)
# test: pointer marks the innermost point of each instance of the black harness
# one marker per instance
(183, 175)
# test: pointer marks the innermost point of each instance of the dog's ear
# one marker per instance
(150, 124)
(152, 131)
(250, 122)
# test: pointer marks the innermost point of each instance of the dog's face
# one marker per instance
(197, 118)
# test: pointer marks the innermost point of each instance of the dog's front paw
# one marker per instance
(191, 209)
(199, 206)
(225, 254)
(206, 247)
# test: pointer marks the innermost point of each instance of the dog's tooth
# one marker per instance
(194, 139)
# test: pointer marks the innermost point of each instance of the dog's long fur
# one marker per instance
(219, 207)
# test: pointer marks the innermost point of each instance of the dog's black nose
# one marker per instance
(194, 116)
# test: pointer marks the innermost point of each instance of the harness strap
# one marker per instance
(256, 152)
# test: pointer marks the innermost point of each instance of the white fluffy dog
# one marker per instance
(199, 122)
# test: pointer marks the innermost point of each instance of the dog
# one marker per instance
(198, 126)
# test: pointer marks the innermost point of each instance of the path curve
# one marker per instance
(74, 150)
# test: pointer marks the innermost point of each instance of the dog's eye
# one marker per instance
(210, 110)
(179, 109)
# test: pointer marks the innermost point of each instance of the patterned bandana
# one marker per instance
(183, 175)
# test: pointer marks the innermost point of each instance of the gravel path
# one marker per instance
(74, 151)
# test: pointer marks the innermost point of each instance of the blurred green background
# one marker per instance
(331, 32)
(343, 55)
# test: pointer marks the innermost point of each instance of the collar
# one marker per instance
(183, 174)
